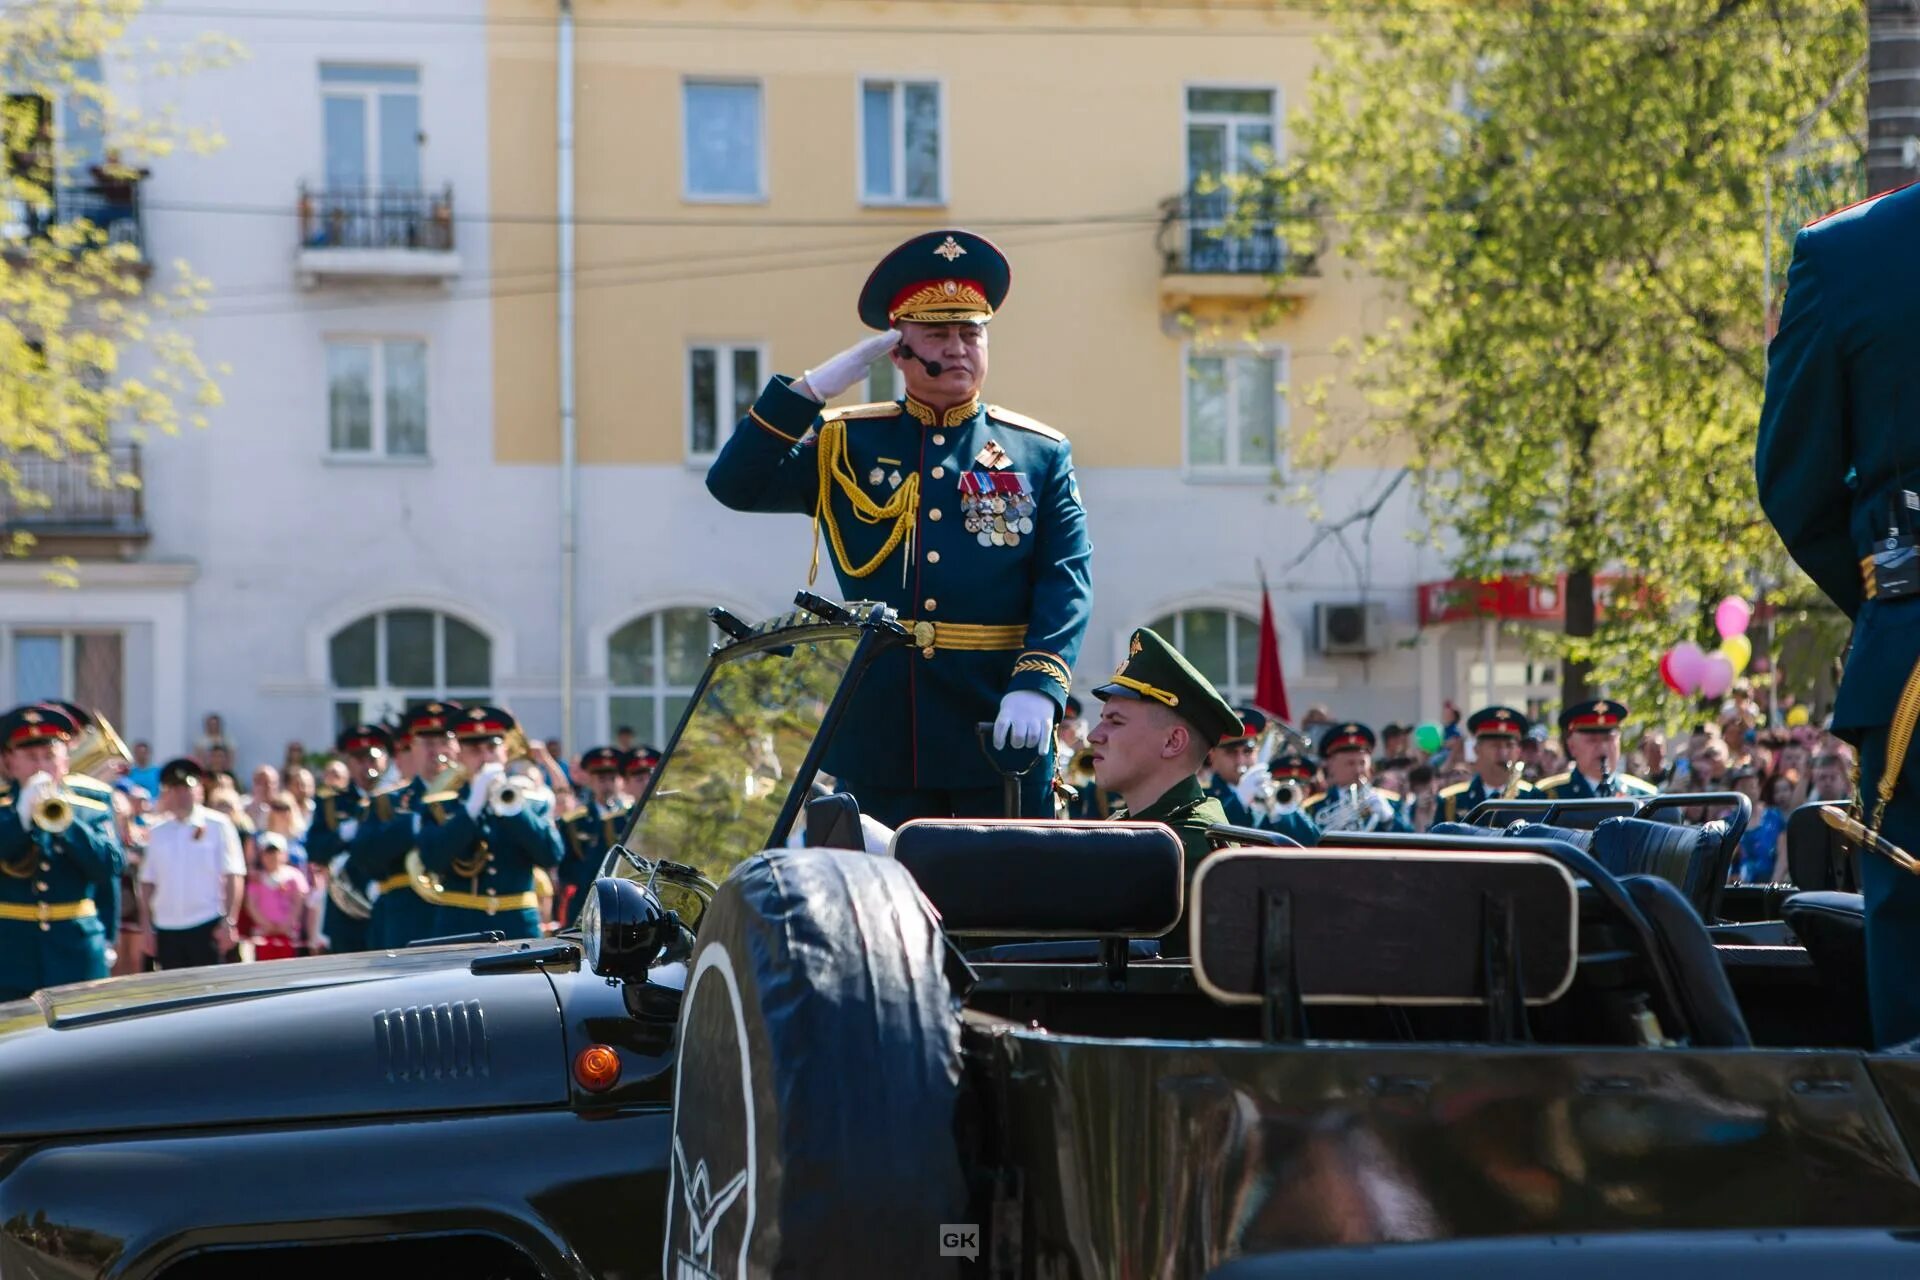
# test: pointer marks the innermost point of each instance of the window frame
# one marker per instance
(898, 121)
(1235, 691)
(760, 194)
(369, 93)
(383, 689)
(1188, 118)
(724, 389)
(69, 638)
(654, 735)
(1234, 471)
(377, 453)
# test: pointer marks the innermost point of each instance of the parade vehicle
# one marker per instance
(769, 1052)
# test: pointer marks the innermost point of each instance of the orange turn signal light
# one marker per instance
(597, 1068)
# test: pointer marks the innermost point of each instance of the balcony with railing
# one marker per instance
(111, 206)
(73, 510)
(1218, 244)
(362, 233)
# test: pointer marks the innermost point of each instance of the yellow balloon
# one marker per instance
(1797, 716)
(1739, 651)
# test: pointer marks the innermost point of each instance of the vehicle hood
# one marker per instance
(291, 1040)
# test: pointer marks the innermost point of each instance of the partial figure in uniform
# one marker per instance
(964, 517)
(1591, 732)
(1160, 719)
(1839, 476)
(1499, 773)
(1351, 802)
(60, 862)
(1231, 774)
(386, 840)
(1282, 807)
(337, 814)
(482, 841)
(592, 829)
(637, 766)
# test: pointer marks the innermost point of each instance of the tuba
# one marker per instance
(96, 747)
(352, 903)
(1080, 768)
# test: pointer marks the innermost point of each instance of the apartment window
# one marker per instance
(900, 142)
(1224, 645)
(87, 667)
(1230, 134)
(377, 397)
(371, 122)
(722, 381)
(1236, 408)
(653, 663)
(388, 662)
(724, 159)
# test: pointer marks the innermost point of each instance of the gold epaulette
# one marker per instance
(878, 409)
(1456, 789)
(1391, 795)
(85, 802)
(574, 814)
(1318, 797)
(1557, 780)
(91, 784)
(439, 798)
(389, 790)
(1023, 422)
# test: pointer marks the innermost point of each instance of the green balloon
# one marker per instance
(1429, 738)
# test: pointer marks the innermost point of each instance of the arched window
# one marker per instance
(386, 662)
(653, 664)
(1224, 645)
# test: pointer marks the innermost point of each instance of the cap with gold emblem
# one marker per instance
(36, 722)
(1292, 765)
(1253, 723)
(477, 724)
(360, 739)
(1156, 671)
(432, 717)
(640, 760)
(941, 277)
(603, 760)
(1347, 737)
(1598, 715)
(1498, 722)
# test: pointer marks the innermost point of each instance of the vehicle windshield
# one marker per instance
(728, 773)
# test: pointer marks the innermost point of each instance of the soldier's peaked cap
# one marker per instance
(940, 277)
(1156, 671)
(1498, 722)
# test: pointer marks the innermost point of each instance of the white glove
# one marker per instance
(1248, 788)
(482, 786)
(836, 374)
(32, 792)
(348, 827)
(1025, 720)
(1379, 806)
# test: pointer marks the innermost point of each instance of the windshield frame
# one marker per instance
(876, 631)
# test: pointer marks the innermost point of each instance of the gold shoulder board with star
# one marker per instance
(574, 815)
(879, 409)
(1023, 422)
(84, 802)
(1458, 788)
(1557, 780)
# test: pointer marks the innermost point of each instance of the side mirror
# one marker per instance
(623, 928)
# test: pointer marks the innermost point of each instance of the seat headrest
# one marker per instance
(1383, 925)
(1579, 838)
(1637, 846)
(1457, 829)
(1044, 879)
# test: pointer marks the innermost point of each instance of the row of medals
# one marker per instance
(997, 520)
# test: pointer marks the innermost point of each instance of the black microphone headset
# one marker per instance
(934, 367)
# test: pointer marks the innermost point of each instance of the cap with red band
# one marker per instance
(1347, 737)
(23, 726)
(479, 723)
(1599, 715)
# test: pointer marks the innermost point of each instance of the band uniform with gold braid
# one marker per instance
(527, 901)
(44, 912)
(971, 637)
(1906, 715)
(393, 884)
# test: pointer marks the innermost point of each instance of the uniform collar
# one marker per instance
(954, 417)
(1181, 795)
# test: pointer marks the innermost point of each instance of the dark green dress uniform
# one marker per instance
(1599, 715)
(968, 522)
(588, 833)
(1155, 670)
(1836, 455)
(59, 892)
(1462, 798)
(1331, 810)
(484, 864)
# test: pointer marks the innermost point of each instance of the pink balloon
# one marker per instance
(1717, 681)
(1732, 616)
(1689, 666)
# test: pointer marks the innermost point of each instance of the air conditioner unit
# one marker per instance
(1350, 628)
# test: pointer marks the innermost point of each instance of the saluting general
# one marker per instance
(1839, 477)
(964, 517)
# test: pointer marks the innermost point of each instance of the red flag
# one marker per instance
(1269, 686)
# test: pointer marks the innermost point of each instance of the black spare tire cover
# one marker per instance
(817, 1078)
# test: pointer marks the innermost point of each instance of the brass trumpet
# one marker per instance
(51, 813)
(96, 747)
(1516, 774)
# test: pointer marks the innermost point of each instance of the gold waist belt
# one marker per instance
(401, 881)
(972, 636)
(43, 912)
(489, 903)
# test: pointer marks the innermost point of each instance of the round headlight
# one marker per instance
(623, 928)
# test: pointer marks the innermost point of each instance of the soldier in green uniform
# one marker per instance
(1497, 732)
(1160, 719)
(1351, 802)
(482, 841)
(1839, 476)
(60, 862)
(387, 837)
(593, 828)
(964, 517)
(1591, 732)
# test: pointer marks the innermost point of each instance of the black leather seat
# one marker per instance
(1692, 859)
(1578, 837)
(1699, 979)
(1833, 928)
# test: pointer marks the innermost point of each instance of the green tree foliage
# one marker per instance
(90, 341)
(1566, 201)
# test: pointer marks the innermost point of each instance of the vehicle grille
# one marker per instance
(431, 1042)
